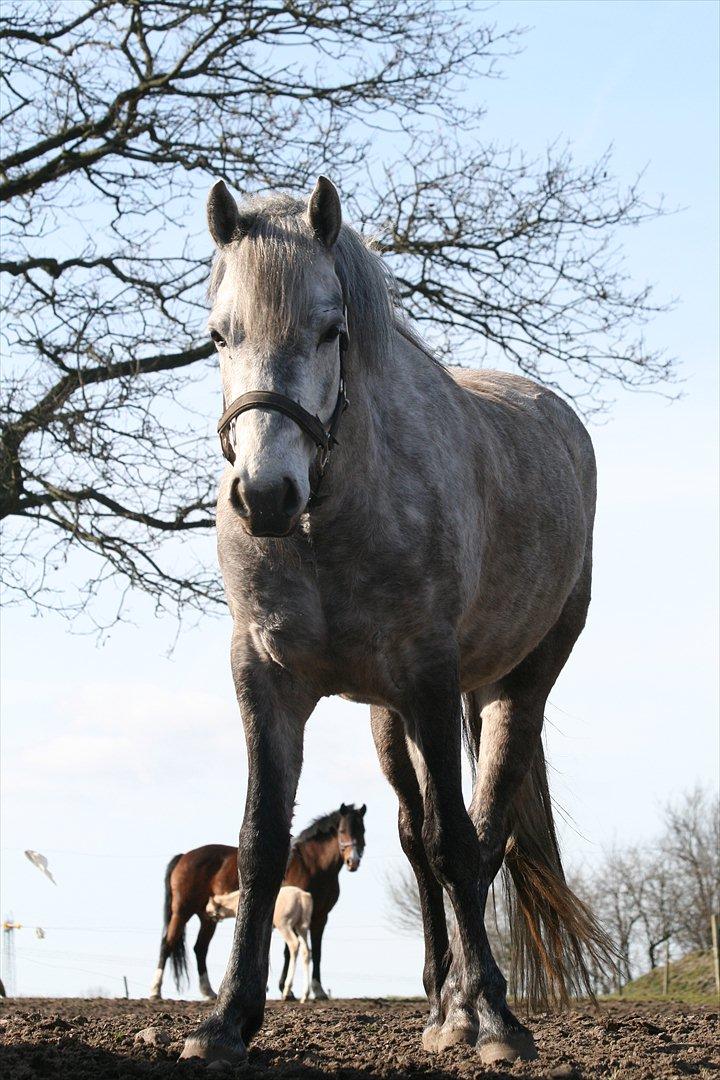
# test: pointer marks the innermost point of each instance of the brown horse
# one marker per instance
(316, 858)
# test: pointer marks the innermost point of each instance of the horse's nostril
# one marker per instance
(236, 499)
(291, 497)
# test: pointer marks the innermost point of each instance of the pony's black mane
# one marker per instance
(325, 825)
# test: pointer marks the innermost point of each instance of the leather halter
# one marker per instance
(324, 438)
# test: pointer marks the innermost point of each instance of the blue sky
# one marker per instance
(117, 757)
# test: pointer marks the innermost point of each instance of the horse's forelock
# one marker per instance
(272, 264)
(357, 826)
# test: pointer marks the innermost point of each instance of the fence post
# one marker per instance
(666, 972)
(127, 992)
(716, 952)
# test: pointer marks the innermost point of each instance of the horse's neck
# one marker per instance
(387, 402)
(313, 858)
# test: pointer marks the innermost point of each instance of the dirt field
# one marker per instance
(77, 1038)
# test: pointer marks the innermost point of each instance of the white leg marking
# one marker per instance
(155, 989)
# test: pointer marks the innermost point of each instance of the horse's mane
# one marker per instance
(281, 250)
(325, 825)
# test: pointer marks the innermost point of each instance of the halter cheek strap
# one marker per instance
(343, 845)
(324, 438)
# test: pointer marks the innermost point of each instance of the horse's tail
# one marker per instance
(556, 943)
(174, 930)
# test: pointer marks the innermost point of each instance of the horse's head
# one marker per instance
(223, 906)
(351, 835)
(278, 322)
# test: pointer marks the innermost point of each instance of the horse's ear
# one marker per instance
(343, 810)
(324, 213)
(362, 810)
(222, 214)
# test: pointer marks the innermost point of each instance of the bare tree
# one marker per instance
(691, 848)
(404, 909)
(116, 116)
(652, 892)
(609, 892)
(665, 891)
(405, 913)
(643, 897)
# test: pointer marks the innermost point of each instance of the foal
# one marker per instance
(291, 918)
(316, 858)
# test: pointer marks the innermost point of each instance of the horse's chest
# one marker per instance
(339, 629)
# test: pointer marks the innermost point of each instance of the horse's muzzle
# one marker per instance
(267, 511)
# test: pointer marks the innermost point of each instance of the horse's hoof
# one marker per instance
(459, 1029)
(516, 1045)
(430, 1038)
(319, 994)
(209, 1049)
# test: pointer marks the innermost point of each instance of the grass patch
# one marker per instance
(692, 981)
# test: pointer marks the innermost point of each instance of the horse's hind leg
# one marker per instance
(291, 940)
(172, 947)
(205, 934)
(156, 985)
(389, 734)
(432, 715)
(512, 717)
(283, 973)
(305, 955)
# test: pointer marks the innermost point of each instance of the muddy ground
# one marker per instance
(96, 1039)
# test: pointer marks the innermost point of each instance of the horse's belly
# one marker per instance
(485, 661)
(499, 631)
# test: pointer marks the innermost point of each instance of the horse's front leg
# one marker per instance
(274, 709)
(317, 929)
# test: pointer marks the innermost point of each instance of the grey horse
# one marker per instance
(427, 551)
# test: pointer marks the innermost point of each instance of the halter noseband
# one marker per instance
(324, 438)
(343, 846)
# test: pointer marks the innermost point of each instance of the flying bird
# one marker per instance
(41, 862)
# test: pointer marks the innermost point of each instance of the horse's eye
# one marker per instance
(331, 334)
(218, 339)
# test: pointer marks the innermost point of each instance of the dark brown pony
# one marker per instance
(316, 858)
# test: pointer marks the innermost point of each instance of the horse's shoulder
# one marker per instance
(517, 396)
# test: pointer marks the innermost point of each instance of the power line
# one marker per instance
(85, 971)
